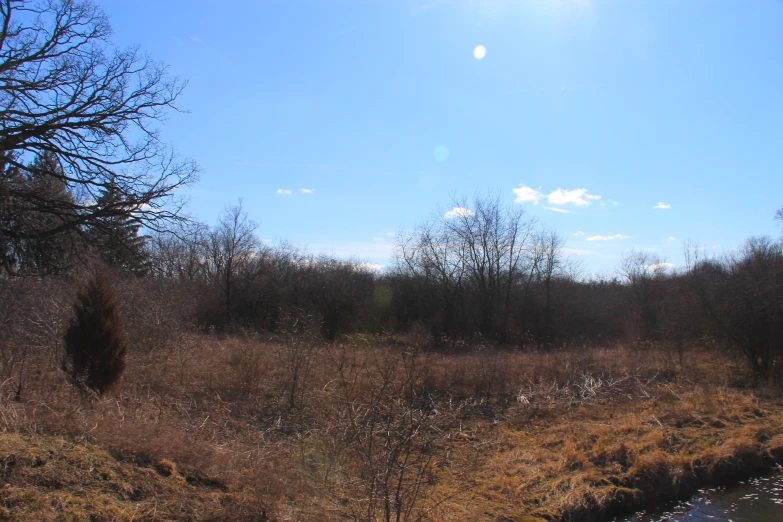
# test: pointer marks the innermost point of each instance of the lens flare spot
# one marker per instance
(441, 153)
(479, 52)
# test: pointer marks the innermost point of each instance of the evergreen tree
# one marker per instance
(115, 233)
(35, 238)
(95, 343)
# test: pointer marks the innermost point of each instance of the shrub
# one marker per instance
(95, 343)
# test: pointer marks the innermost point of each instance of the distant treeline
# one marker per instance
(482, 272)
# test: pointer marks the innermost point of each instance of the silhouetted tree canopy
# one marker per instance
(68, 95)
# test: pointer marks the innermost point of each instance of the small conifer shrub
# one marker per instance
(95, 343)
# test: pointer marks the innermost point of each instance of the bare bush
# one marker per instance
(388, 434)
(301, 333)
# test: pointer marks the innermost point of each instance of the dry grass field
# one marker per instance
(253, 428)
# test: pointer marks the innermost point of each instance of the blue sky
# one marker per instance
(587, 113)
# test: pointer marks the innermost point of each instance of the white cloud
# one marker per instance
(559, 197)
(391, 234)
(307, 191)
(199, 40)
(671, 238)
(579, 233)
(561, 210)
(372, 267)
(527, 194)
(283, 192)
(578, 197)
(662, 205)
(658, 266)
(458, 212)
(607, 238)
(581, 252)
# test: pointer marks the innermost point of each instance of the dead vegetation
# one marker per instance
(207, 429)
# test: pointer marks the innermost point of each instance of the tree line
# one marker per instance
(483, 273)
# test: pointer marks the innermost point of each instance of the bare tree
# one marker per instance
(472, 257)
(742, 296)
(492, 240)
(643, 270)
(178, 254)
(229, 253)
(549, 262)
(433, 256)
(66, 92)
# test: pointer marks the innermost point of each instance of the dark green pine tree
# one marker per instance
(115, 234)
(34, 238)
(56, 252)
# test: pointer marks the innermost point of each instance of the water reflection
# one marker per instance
(759, 499)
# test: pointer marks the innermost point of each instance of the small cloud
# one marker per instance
(613, 202)
(198, 40)
(581, 252)
(307, 191)
(659, 267)
(458, 212)
(559, 197)
(283, 192)
(672, 238)
(391, 234)
(578, 197)
(579, 233)
(372, 267)
(607, 238)
(527, 194)
(561, 210)
(663, 206)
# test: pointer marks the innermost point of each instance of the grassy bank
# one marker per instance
(245, 428)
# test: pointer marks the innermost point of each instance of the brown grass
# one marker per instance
(205, 429)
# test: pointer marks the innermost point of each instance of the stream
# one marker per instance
(758, 499)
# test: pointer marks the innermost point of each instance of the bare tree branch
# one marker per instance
(66, 91)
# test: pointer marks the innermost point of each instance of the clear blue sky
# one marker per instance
(383, 110)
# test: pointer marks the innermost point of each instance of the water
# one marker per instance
(758, 500)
